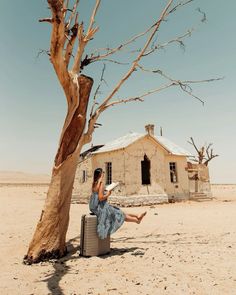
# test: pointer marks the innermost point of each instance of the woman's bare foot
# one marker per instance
(140, 217)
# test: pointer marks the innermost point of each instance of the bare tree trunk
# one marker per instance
(49, 238)
(50, 234)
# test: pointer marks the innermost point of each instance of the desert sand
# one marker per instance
(180, 248)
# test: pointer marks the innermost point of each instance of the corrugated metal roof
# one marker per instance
(172, 147)
(129, 138)
(119, 143)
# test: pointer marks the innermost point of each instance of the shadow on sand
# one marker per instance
(61, 268)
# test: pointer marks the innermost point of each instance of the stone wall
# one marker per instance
(199, 179)
(180, 189)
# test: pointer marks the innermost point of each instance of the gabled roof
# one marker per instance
(172, 147)
(124, 141)
(120, 142)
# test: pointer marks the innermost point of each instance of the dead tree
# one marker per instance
(204, 153)
(69, 60)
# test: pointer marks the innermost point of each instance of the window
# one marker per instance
(145, 170)
(173, 172)
(108, 167)
(84, 176)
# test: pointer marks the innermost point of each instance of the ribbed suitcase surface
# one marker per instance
(90, 244)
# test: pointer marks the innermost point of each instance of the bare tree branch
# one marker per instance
(208, 160)
(138, 98)
(193, 143)
(70, 44)
(111, 60)
(175, 40)
(73, 13)
(203, 15)
(43, 51)
(92, 19)
(207, 150)
(154, 29)
(97, 90)
(202, 153)
(135, 62)
(48, 19)
(181, 3)
(184, 84)
(83, 39)
(120, 47)
(134, 38)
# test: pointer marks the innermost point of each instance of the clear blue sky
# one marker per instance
(32, 104)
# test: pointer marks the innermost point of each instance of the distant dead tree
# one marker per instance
(69, 38)
(204, 153)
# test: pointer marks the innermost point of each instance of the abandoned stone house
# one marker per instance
(150, 169)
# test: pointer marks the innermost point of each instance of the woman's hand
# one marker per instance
(107, 194)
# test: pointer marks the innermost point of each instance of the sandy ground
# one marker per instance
(181, 248)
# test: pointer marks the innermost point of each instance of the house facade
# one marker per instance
(199, 181)
(150, 169)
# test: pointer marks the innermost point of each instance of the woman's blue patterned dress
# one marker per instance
(110, 218)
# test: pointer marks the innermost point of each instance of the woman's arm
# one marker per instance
(98, 183)
(101, 195)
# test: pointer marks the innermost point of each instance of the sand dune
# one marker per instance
(22, 177)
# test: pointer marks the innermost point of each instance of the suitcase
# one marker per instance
(90, 244)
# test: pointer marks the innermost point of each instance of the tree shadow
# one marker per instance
(120, 252)
(61, 269)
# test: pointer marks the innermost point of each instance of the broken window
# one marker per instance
(108, 167)
(173, 172)
(145, 170)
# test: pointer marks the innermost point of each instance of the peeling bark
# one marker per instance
(76, 126)
(49, 238)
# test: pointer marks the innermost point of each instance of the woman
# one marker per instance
(110, 218)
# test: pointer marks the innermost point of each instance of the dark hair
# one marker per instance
(97, 173)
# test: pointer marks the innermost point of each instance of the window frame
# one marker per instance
(108, 171)
(84, 176)
(173, 172)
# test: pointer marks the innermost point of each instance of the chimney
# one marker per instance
(150, 129)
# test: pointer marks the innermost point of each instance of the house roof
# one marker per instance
(119, 143)
(172, 147)
(126, 140)
(90, 150)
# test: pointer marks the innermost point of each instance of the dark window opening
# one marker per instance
(173, 172)
(145, 169)
(108, 166)
(84, 176)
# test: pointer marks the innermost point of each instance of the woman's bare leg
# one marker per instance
(138, 216)
(134, 218)
(133, 215)
(131, 218)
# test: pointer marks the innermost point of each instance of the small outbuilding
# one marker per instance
(150, 169)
